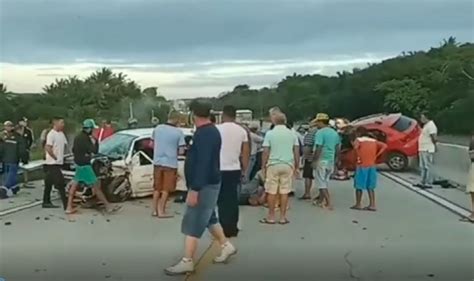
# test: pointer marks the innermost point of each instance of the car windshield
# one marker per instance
(116, 146)
(402, 124)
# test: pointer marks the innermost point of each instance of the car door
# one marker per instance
(141, 174)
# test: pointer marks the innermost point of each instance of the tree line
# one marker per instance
(439, 81)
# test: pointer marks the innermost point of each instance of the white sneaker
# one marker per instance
(227, 251)
(183, 267)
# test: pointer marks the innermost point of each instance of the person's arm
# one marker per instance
(296, 154)
(381, 147)
(256, 138)
(181, 144)
(265, 154)
(245, 153)
(49, 145)
(434, 134)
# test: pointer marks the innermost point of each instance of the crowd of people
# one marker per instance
(15, 145)
(227, 165)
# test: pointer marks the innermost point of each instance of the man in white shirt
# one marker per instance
(234, 160)
(54, 149)
(426, 149)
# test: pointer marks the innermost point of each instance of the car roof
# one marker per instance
(145, 132)
(377, 119)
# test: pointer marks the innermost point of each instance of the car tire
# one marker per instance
(397, 161)
(110, 189)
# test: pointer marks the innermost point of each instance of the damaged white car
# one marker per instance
(124, 165)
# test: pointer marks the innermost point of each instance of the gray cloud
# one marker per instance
(173, 31)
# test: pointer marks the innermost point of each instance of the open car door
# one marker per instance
(141, 174)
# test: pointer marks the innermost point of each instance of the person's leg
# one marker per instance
(70, 200)
(11, 180)
(271, 188)
(286, 182)
(359, 180)
(429, 169)
(371, 185)
(100, 195)
(223, 201)
(327, 198)
(169, 184)
(60, 184)
(48, 185)
(156, 191)
(423, 169)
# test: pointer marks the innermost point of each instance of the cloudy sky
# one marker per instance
(203, 47)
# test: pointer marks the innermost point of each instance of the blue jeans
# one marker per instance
(196, 219)
(10, 175)
(252, 161)
(426, 167)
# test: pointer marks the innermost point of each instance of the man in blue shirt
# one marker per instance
(168, 143)
(326, 150)
(203, 178)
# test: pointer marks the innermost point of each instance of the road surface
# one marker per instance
(409, 238)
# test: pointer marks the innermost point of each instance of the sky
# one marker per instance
(205, 47)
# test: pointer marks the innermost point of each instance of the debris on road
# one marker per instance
(46, 218)
(8, 223)
(431, 275)
(364, 228)
(38, 218)
(354, 221)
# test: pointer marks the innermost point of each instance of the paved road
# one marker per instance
(409, 238)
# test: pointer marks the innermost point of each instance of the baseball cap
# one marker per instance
(8, 123)
(89, 123)
(321, 117)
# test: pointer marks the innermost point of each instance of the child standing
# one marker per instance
(367, 150)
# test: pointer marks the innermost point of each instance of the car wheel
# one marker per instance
(397, 161)
(118, 190)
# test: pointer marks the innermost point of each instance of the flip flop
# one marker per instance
(154, 214)
(266, 221)
(165, 216)
(70, 212)
(284, 222)
(304, 198)
(356, 208)
(466, 219)
(369, 209)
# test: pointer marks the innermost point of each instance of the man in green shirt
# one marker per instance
(326, 149)
(280, 162)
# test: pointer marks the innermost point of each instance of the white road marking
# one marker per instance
(455, 208)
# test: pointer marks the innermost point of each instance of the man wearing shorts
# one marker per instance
(168, 144)
(280, 163)
(308, 173)
(203, 178)
(84, 147)
(326, 149)
(368, 150)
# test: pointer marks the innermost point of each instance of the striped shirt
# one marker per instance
(308, 144)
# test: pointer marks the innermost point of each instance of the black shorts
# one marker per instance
(308, 170)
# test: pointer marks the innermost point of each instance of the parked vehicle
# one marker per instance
(399, 132)
(124, 164)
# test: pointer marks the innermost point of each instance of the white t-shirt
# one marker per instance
(425, 143)
(58, 141)
(232, 135)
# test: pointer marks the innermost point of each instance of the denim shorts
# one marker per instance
(196, 219)
(323, 174)
(365, 178)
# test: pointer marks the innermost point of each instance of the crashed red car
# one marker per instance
(399, 132)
